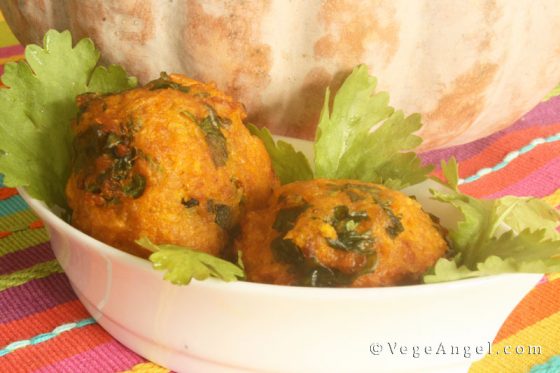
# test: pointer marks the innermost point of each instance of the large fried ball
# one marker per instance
(171, 161)
(339, 233)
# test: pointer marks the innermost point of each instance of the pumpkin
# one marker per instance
(470, 68)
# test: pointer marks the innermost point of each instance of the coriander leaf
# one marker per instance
(523, 246)
(110, 79)
(551, 265)
(451, 172)
(37, 107)
(346, 147)
(509, 234)
(289, 164)
(182, 264)
(532, 213)
(447, 270)
(476, 226)
(494, 265)
(355, 110)
(240, 263)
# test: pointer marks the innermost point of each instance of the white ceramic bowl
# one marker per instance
(211, 326)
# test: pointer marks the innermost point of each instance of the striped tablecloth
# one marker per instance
(44, 328)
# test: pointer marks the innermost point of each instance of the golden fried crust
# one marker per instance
(171, 161)
(339, 233)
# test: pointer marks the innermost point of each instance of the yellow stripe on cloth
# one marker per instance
(147, 368)
(40, 270)
(22, 240)
(2, 19)
(17, 220)
(5, 60)
(553, 199)
(7, 38)
(544, 333)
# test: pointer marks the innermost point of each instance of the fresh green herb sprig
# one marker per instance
(37, 108)
(361, 138)
(182, 264)
(288, 164)
(364, 138)
(508, 234)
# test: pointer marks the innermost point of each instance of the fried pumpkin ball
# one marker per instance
(339, 233)
(171, 161)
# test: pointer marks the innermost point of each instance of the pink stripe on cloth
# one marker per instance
(8, 52)
(545, 113)
(34, 296)
(108, 357)
(25, 258)
(11, 51)
(542, 182)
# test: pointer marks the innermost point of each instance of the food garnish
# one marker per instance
(182, 264)
(508, 234)
(347, 148)
(38, 107)
(289, 164)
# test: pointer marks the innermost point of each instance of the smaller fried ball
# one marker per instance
(339, 233)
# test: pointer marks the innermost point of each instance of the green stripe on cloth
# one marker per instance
(6, 36)
(22, 240)
(18, 220)
(555, 92)
(25, 275)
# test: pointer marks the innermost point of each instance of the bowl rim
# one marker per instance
(51, 219)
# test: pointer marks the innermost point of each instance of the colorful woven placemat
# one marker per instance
(44, 328)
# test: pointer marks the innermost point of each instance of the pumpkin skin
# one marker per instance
(470, 68)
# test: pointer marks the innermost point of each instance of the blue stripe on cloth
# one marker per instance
(551, 366)
(12, 205)
(45, 336)
(511, 156)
